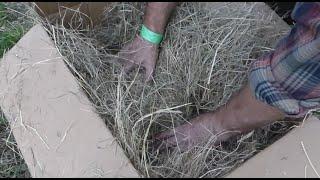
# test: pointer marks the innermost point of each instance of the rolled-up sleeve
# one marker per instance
(288, 77)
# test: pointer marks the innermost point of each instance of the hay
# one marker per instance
(11, 160)
(205, 57)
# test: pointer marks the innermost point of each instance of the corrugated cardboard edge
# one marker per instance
(53, 122)
(287, 157)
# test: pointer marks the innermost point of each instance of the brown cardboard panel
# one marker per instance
(90, 12)
(53, 122)
(96, 11)
(55, 125)
(48, 8)
(286, 158)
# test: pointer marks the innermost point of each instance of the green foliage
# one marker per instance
(11, 164)
(9, 33)
(2, 121)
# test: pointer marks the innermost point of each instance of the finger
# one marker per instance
(156, 145)
(163, 135)
(128, 67)
(167, 139)
(149, 73)
(124, 54)
(164, 144)
(159, 138)
(125, 49)
(123, 58)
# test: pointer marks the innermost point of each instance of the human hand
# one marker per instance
(241, 114)
(195, 132)
(140, 52)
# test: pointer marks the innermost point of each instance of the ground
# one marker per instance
(11, 30)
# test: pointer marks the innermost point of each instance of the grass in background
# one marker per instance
(12, 28)
(11, 163)
(9, 33)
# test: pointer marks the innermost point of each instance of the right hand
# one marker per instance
(192, 133)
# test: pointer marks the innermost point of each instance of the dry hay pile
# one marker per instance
(205, 57)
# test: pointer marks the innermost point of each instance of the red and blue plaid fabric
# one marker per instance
(288, 77)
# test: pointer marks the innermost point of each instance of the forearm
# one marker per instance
(244, 112)
(157, 15)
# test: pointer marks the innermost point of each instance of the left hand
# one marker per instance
(140, 52)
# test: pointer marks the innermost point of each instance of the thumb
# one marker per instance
(128, 66)
(149, 73)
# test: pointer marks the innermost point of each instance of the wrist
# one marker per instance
(153, 26)
(150, 36)
(245, 113)
(146, 42)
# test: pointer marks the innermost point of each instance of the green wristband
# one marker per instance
(150, 36)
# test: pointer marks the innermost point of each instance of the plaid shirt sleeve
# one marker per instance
(288, 77)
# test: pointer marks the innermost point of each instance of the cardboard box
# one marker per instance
(60, 135)
(91, 13)
(55, 125)
(288, 157)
